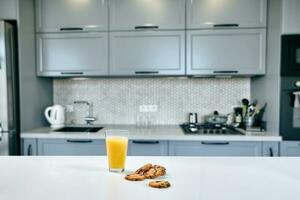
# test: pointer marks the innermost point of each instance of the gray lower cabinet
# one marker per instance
(290, 148)
(29, 147)
(231, 52)
(221, 148)
(148, 148)
(147, 53)
(69, 147)
(72, 54)
(270, 149)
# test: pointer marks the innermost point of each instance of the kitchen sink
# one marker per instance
(80, 129)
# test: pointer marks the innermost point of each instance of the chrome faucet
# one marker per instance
(89, 119)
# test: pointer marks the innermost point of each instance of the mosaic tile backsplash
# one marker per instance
(116, 101)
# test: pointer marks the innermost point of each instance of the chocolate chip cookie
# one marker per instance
(155, 171)
(134, 177)
(143, 169)
(159, 184)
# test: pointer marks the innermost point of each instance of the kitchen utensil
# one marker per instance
(55, 116)
(193, 118)
(216, 118)
(245, 103)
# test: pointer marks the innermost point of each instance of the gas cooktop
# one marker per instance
(209, 129)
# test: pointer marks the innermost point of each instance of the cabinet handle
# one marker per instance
(71, 73)
(147, 72)
(225, 25)
(215, 143)
(71, 29)
(226, 72)
(145, 142)
(271, 152)
(80, 141)
(29, 150)
(146, 27)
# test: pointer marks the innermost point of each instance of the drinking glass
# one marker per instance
(116, 148)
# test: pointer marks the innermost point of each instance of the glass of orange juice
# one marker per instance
(116, 148)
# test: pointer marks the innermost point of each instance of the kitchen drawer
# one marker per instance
(71, 147)
(66, 15)
(149, 53)
(226, 13)
(29, 147)
(148, 148)
(137, 14)
(214, 148)
(290, 148)
(72, 54)
(226, 52)
(270, 149)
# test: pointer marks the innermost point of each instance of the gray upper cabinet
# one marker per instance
(290, 17)
(229, 52)
(226, 13)
(137, 14)
(72, 54)
(147, 53)
(66, 15)
(8, 9)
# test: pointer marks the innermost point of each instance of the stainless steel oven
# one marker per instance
(290, 55)
(290, 108)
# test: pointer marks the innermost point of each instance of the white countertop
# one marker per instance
(199, 178)
(163, 132)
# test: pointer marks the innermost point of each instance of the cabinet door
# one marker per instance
(290, 16)
(270, 149)
(148, 148)
(226, 13)
(29, 147)
(220, 148)
(71, 147)
(137, 14)
(217, 52)
(66, 15)
(72, 54)
(291, 149)
(8, 9)
(147, 53)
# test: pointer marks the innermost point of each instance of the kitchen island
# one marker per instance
(77, 178)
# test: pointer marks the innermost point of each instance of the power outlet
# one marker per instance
(70, 108)
(148, 108)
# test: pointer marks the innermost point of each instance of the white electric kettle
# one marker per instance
(55, 116)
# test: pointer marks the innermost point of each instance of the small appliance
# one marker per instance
(193, 118)
(55, 116)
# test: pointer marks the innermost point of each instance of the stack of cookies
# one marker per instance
(150, 171)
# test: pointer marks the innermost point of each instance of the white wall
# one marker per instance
(267, 88)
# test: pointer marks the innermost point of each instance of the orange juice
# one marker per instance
(116, 147)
